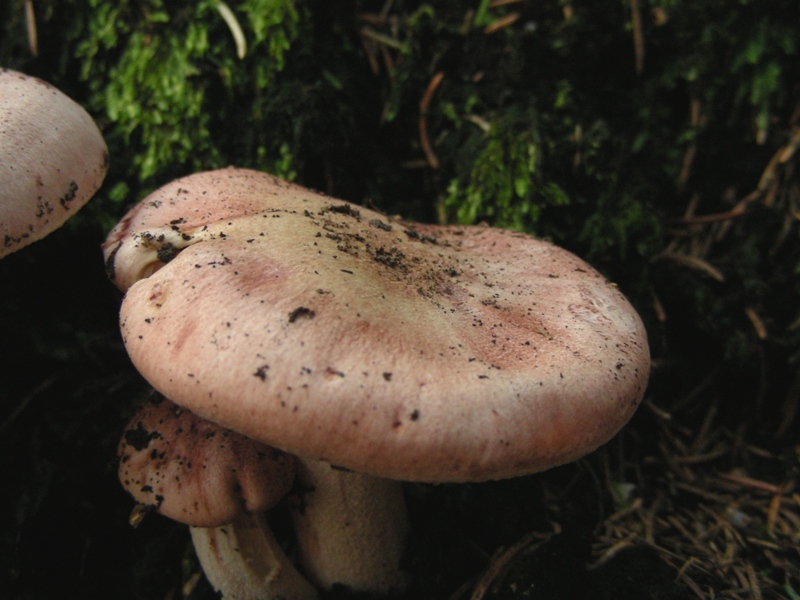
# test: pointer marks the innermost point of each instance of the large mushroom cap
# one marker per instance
(406, 351)
(52, 159)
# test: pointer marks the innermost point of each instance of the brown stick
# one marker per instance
(430, 156)
(638, 36)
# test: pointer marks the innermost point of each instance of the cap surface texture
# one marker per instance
(52, 159)
(413, 352)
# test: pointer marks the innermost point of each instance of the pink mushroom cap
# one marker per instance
(196, 472)
(410, 352)
(52, 159)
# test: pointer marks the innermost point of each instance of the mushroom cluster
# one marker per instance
(372, 351)
(219, 483)
(52, 159)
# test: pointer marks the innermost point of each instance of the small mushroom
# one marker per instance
(52, 159)
(219, 483)
(375, 351)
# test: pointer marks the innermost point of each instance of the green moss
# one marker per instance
(504, 183)
(165, 75)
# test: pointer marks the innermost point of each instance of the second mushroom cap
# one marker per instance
(52, 159)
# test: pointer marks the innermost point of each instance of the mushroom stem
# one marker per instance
(351, 528)
(243, 561)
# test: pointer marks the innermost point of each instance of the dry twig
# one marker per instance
(430, 155)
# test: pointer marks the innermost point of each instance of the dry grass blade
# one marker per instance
(30, 24)
(383, 39)
(501, 23)
(502, 559)
(695, 263)
(755, 484)
(736, 211)
(638, 36)
(758, 324)
(612, 551)
(430, 155)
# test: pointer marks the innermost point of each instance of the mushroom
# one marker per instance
(52, 159)
(219, 483)
(375, 351)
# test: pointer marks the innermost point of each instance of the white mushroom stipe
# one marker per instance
(336, 511)
(244, 562)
